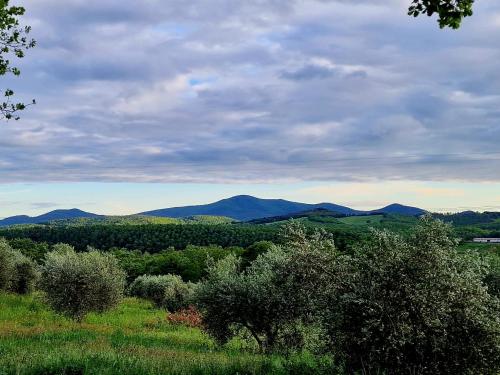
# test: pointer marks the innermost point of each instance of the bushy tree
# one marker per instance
(6, 265)
(450, 12)
(415, 306)
(25, 274)
(14, 41)
(33, 250)
(273, 298)
(18, 273)
(78, 283)
(253, 251)
(166, 291)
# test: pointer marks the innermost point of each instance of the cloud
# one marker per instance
(43, 205)
(254, 91)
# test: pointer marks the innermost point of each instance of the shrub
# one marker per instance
(414, 306)
(166, 291)
(274, 298)
(18, 273)
(25, 275)
(189, 317)
(78, 283)
(6, 265)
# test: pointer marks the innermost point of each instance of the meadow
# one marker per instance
(135, 338)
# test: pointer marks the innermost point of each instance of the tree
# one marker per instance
(78, 283)
(415, 306)
(166, 291)
(450, 12)
(14, 41)
(274, 299)
(6, 265)
(18, 273)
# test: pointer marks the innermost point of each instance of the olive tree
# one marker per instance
(414, 306)
(274, 297)
(14, 41)
(25, 274)
(6, 265)
(79, 283)
(18, 273)
(166, 291)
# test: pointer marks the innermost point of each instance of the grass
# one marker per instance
(135, 338)
(481, 247)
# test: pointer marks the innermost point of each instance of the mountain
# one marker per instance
(73, 213)
(240, 207)
(400, 210)
(246, 207)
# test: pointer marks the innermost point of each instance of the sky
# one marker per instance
(159, 103)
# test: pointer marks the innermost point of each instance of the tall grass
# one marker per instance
(134, 339)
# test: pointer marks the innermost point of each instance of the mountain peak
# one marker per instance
(400, 209)
(59, 214)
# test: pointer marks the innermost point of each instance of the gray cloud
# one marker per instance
(254, 91)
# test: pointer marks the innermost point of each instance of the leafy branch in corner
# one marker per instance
(450, 12)
(14, 41)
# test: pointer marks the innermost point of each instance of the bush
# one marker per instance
(414, 306)
(166, 291)
(6, 265)
(18, 273)
(25, 275)
(78, 283)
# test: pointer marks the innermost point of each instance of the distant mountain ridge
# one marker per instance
(246, 207)
(73, 213)
(240, 207)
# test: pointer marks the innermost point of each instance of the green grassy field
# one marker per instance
(481, 247)
(134, 339)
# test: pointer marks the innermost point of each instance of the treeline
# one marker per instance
(151, 237)
(154, 238)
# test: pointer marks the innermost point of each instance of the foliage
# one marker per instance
(14, 42)
(272, 297)
(25, 275)
(18, 273)
(167, 291)
(253, 251)
(414, 305)
(190, 263)
(78, 283)
(151, 237)
(33, 250)
(6, 265)
(450, 12)
(189, 317)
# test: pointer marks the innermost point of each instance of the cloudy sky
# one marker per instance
(156, 103)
